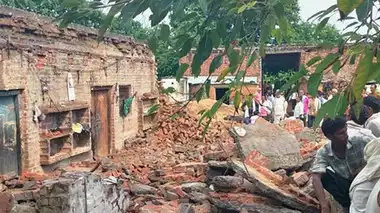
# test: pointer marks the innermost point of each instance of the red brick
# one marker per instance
(253, 71)
(301, 178)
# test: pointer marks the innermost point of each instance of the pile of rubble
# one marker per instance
(181, 126)
(224, 111)
(173, 144)
(310, 139)
(177, 168)
(26, 181)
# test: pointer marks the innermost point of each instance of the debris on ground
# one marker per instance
(175, 168)
(310, 139)
(224, 111)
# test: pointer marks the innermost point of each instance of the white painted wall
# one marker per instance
(179, 87)
(183, 87)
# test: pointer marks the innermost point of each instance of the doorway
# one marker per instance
(219, 94)
(9, 133)
(276, 69)
(100, 122)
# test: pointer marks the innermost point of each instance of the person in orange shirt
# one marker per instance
(312, 111)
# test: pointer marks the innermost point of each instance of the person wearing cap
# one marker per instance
(373, 122)
(337, 163)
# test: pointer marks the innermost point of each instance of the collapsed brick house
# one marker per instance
(281, 58)
(70, 78)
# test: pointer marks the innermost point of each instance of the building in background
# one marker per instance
(277, 60)
(218, 89)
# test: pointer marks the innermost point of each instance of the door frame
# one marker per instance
(16, 95)
(108, 89)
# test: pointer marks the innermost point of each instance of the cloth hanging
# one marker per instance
(127, 103)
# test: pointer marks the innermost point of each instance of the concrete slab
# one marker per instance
(274, 143)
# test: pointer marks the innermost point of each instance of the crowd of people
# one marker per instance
(274, 107)
(348, 166)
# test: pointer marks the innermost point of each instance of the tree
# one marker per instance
(303, 33)
(300, 33)
(249, 24)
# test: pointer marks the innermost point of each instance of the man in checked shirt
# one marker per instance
(337, 163)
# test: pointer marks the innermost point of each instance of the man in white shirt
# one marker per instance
(365, 182)
(373, 122)
(298, 110)
(279, 107)
(373, 203)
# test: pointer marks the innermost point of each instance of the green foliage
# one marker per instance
(294, 79)
(153, 109)
(334, 107)
(305, 33)
(208, 24)
(314, 82)
(281, 78)
(347, 6)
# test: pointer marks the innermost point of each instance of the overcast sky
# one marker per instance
(310, 7)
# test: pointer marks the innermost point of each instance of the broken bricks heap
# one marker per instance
(64, 74)
(167, 173)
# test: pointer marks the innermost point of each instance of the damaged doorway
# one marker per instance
(279, 63)
(9, 133)
(100, 121)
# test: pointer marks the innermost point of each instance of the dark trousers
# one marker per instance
(338, 187)
(310, 121)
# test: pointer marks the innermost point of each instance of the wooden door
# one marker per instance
(100, 123)
(9, 140)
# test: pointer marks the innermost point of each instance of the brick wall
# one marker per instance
(31, 60)
(252, 71)
(307, 53)
(345, 74)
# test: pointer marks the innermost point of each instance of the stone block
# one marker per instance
(196, 186)
(142, 189)
(23, 209)
(271, 143)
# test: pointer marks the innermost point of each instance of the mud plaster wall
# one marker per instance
(28, 59)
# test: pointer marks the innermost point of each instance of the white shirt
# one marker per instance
(318, 104)
(298, 110)
(268, 104)
(373, 124)
(271, 99)
(356, 130)
(366, 180)
(279, 106)
(372, 203)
